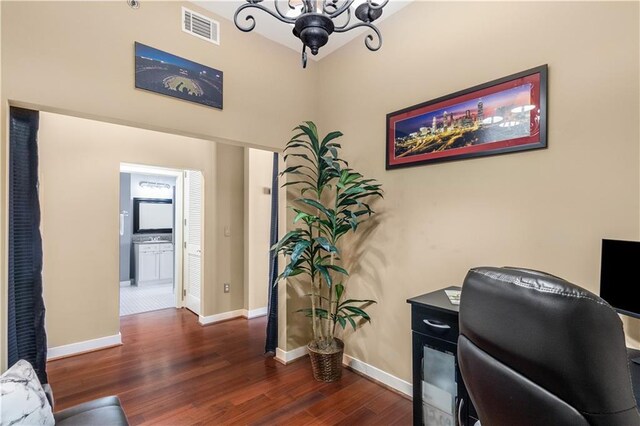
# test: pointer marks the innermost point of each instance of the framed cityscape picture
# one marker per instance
(171, 75)
(501, 116)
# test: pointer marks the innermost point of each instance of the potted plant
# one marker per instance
(333, 201)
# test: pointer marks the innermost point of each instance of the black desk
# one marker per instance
(434, 324)
(436, 309)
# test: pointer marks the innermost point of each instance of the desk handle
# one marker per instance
(437, 324)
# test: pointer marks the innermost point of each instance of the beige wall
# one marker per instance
(76, 58)
(79, 190)
(258, 171)
(230, 248)
(546, 209)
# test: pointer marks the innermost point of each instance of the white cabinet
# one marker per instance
(166, 264)
(147, 267)
(153, 263)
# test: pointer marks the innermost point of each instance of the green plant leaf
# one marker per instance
(296, 183)
(291, 235)
(334, 151)
(312, 133)
(358, 312)
(331, 136)
(353, 190)
(302, 215)
(290, 169)
(299, 155)
(320, 312)
(338, 269)
(326, 245)
(316, 204)
(351, 321)
(339, 291)
(291, 273)
(299, 248)
(352, 177)
(325, 274)
(350, 301)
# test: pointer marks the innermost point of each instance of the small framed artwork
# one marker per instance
(501, 116)
(171, 75)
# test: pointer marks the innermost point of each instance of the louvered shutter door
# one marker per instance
(193, 232)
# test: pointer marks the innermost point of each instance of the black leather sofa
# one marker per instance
(102, 411)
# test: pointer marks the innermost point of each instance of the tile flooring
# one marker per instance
(134, 299)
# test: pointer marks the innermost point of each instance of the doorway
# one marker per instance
(160, 225)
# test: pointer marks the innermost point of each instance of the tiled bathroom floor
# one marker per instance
(134, 300)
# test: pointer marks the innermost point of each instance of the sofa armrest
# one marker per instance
(49, 393)
(103, 411)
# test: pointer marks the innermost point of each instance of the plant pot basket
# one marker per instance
(327, 367)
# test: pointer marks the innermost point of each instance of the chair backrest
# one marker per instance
(535, 349)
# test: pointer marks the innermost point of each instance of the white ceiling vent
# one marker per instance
(200, 26)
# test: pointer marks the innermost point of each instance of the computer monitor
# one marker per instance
(619, 275)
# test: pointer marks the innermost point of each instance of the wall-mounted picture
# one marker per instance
(170, 75)
(501, 116)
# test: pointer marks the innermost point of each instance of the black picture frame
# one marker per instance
(136, 216)
(170, 75)
(471, 135)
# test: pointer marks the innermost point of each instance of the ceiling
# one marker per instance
(280, 32)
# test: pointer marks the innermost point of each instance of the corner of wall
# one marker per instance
(247, 229)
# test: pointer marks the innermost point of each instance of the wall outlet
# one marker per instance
(227, 231)
(227, 287)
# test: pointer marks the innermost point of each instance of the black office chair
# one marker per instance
(535, 349)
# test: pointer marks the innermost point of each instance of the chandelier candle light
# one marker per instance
(314, 20)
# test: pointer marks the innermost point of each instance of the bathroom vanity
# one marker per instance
(153, 262)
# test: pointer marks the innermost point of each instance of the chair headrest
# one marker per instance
(559, 335)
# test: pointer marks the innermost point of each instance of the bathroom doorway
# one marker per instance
(153, 205)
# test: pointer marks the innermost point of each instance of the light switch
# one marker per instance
(227, 231)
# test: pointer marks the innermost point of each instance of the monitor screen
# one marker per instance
(619, 275)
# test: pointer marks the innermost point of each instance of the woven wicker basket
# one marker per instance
(327, 367)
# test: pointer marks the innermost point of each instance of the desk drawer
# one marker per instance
(435, 323)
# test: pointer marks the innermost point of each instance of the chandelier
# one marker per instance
(314, 20)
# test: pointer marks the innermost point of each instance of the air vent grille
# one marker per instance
(200, 26)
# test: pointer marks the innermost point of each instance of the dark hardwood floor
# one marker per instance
(172, 371)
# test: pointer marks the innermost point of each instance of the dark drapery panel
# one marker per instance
(272, 318)
(26, 335)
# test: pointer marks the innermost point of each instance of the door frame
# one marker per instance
(178, 244)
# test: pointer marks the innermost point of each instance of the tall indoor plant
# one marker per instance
(333, 200)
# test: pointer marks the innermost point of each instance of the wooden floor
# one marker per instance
(172, 371)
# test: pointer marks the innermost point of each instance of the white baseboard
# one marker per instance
(125, 283)
(361, 367)
(85, 346)
(255, 313)
(248, 314)
(378, 375)
(286, 357)
(211, 319)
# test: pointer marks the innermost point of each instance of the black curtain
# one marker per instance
(272, 316)
(27, 338)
